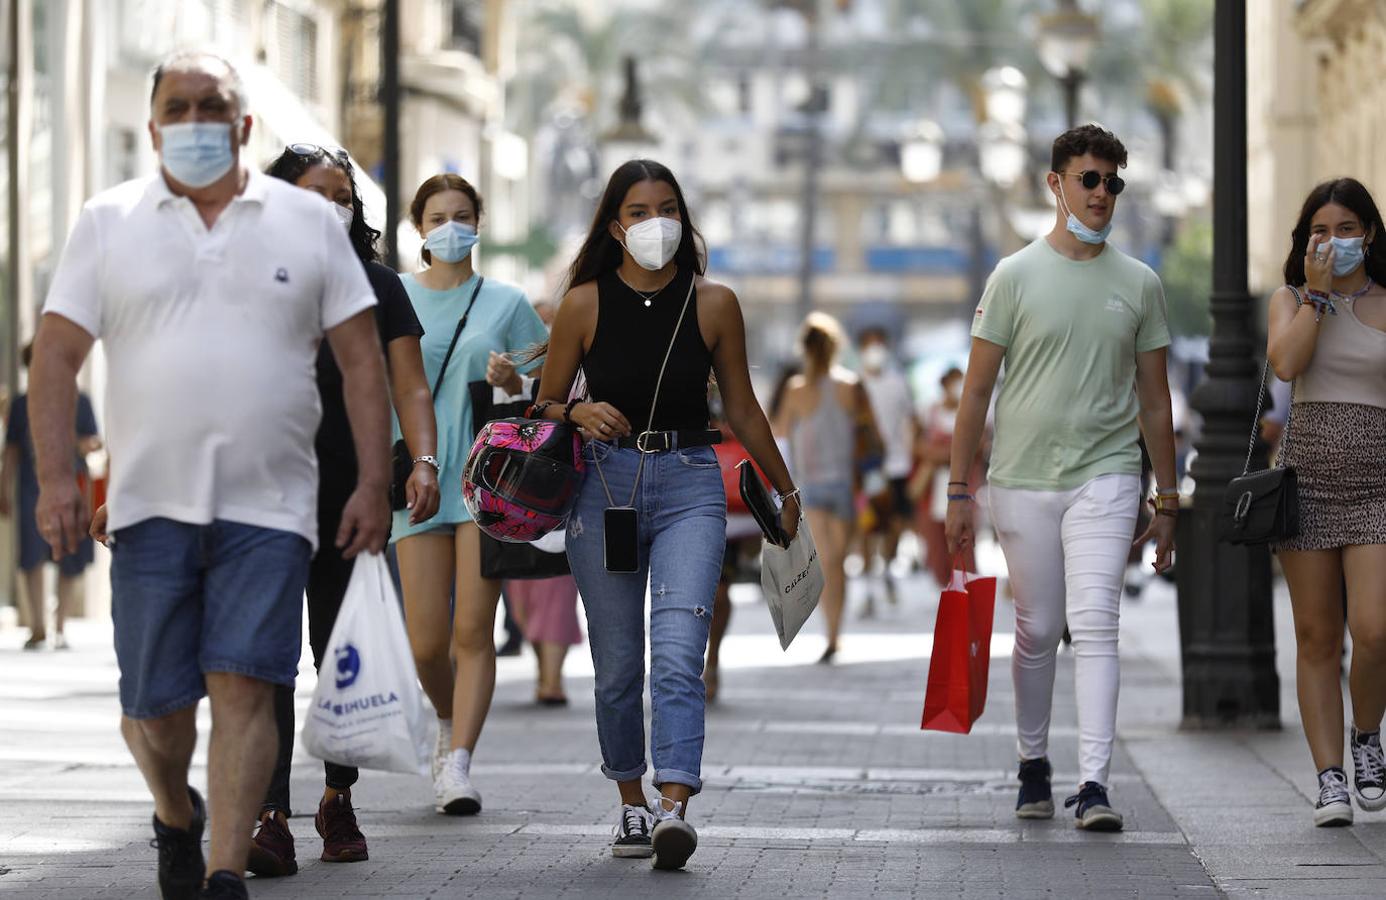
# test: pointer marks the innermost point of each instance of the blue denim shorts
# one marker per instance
(191, 599)
(835, 498)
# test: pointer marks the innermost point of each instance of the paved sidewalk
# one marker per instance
(819, 784)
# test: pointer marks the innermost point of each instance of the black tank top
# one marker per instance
(629, 346)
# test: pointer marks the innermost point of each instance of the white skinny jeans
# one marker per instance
(1067, 545)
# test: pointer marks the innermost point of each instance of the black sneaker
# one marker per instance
(631, 836)
(1094, 812)
(673, 840)
(1335, 805)
(1036, 797)
(181, 865)
(1368, 770)
(225, 885)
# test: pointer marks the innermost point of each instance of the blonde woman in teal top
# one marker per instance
(440, 559)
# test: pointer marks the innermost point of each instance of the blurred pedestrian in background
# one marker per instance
(892, 405)
(823, 411)
(34, 551)
(1326, 336)
(330, 174)
(929, 485)
(450, 609)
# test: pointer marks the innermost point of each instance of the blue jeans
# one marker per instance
(191, 599)
(682, 532)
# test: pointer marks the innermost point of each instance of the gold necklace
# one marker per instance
(648, 298)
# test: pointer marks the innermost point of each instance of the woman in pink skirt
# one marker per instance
(546, 609)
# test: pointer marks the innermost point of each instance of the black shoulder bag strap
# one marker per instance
(461, 324)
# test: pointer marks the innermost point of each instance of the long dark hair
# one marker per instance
(294, 161)
(601, 253)
(1350, 193)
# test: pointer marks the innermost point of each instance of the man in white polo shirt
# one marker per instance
(211, 286)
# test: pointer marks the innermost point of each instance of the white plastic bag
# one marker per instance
(368, 709)
(792, 580)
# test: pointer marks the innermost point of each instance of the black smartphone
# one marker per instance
(622, 546)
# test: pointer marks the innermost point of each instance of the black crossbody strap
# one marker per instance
(461, 324)
(1260, 403)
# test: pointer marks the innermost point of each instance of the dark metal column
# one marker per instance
(390, 101)
(1226, 627)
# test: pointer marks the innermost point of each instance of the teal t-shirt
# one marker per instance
(1068, 410)
(502, 320)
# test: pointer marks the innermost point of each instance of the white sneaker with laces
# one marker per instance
(631, 836)
(673, 840)
(1368, 770)
(442, 747)
(455, 795)
(1335, 805)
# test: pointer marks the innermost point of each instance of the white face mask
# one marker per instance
(346, 214)
(653, 242)
(875, 357)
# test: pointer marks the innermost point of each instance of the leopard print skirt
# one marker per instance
(1338, 451)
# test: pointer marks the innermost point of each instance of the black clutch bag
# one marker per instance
(1262, 507)
(757, 499)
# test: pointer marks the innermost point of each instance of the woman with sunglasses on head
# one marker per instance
(1327, 334)
(647, 330)
(449, 608)
(329, 173)
(1082, 330)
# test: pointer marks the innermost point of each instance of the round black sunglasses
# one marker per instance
(1092, 178)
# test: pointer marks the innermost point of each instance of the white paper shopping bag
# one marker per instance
(792, 580)
(368, 708)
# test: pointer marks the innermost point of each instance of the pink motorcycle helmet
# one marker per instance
(522, 478)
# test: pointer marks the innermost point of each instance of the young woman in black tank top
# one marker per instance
(635, 294)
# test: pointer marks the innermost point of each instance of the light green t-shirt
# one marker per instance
(1071, 329)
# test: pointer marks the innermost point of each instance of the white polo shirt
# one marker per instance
(211, 339)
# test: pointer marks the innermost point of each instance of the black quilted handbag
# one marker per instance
(1261, 507)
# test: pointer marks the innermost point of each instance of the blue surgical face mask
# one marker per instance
(451, 241)
(1077, 228)
(196, 153)
(1347, 255)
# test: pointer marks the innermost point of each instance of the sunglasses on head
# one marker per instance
(316, 150)
(1092, 178)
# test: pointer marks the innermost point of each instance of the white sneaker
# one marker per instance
(673, 840)
(442, 747)
(631, 836)
(1368, 770)
(1334, 806)
(455, 795)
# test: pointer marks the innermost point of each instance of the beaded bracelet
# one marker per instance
(964, 497)
(537, 410)
(1321, 302)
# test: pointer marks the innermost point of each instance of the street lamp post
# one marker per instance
(1226, 626)
(1066, 41)
(628, 138)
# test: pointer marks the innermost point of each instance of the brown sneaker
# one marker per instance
(272, 848)
(342, 841)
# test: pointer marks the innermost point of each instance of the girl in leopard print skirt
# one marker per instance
(1327, 334)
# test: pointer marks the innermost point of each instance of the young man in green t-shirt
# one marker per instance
(1081, 328)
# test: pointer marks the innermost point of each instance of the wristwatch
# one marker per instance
(431, 460)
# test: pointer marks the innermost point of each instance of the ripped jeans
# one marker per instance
(682, 532)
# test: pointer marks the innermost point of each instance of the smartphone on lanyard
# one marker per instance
(621, 544)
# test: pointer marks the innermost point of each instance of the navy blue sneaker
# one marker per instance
(1036, 797)
(1094, 812)
(224, 885)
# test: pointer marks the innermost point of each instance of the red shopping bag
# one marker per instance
(957, 689)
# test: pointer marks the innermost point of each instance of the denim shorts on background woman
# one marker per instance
(191, 599)
(682, 529)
